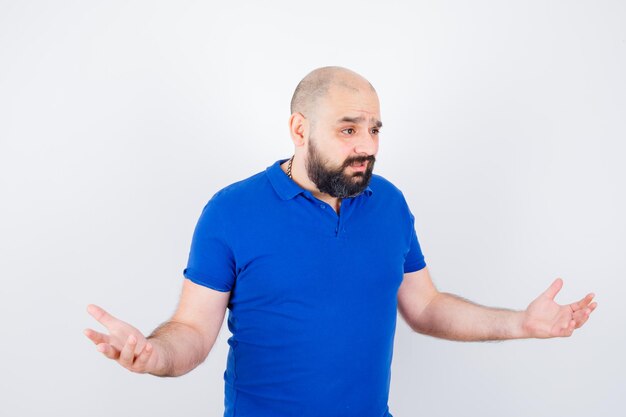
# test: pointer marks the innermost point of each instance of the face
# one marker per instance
(343, 144)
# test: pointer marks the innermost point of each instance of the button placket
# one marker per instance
(325, 212)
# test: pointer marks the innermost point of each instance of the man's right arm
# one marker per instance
(175, 347)
(188, 337)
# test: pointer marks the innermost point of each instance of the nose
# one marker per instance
(366, 143)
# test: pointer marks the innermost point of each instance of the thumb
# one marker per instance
(553, 290)
(102, 316)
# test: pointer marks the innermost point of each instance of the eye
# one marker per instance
(375, 131)
(348, 129)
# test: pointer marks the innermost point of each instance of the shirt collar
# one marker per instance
(285, 187)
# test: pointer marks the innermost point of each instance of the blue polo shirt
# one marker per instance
(313, 301)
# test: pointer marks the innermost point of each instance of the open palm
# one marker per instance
(545, 318)
(124, 343)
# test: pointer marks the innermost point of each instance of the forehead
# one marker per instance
(350, 105)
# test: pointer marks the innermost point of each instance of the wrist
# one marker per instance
(161, 365)
(522, 331)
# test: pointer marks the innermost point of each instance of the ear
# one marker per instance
(298, 128)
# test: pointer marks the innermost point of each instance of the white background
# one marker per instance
(504, 127)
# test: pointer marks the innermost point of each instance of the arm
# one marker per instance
(448, 316)
(176, 346)
(188, 337)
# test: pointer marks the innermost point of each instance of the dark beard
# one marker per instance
(335, 182)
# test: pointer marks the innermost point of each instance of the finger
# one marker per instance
(582, 303)
(108, 350)
(102, 316)
(127, 355)
(554, 288)
(588, 310)
(582, 317)
(95, 336)
(142, 359)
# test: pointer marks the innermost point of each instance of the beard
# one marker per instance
(335, 181)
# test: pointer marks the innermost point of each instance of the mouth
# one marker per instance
(359, 166)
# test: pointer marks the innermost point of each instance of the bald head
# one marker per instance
(316, 85)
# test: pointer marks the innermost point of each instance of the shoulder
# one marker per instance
(382, 187)
(237, 193)
(389, 198)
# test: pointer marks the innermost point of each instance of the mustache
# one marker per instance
(359, 159)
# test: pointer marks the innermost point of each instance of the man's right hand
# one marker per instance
(124, 343)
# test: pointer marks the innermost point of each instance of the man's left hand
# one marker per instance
(545, 318)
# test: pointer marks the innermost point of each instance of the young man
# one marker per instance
(313, 257)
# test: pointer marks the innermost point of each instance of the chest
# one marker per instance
(314, 255)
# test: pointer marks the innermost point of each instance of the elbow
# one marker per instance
(205, 344)
(422, 321)
(201, 345)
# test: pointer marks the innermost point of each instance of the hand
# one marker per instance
(545, 318)
(125, 344)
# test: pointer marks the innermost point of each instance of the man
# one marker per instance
(313, 257)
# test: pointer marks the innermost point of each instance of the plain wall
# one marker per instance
(504, 126)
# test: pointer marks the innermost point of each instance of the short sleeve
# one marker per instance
(414, 260)
(211, 261)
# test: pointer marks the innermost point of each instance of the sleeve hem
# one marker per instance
(413, 267)
(195, 278)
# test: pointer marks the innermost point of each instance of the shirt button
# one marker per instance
(321, 206)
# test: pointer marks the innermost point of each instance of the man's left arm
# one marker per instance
(449, 316)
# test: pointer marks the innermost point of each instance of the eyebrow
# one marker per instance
(358, 120)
